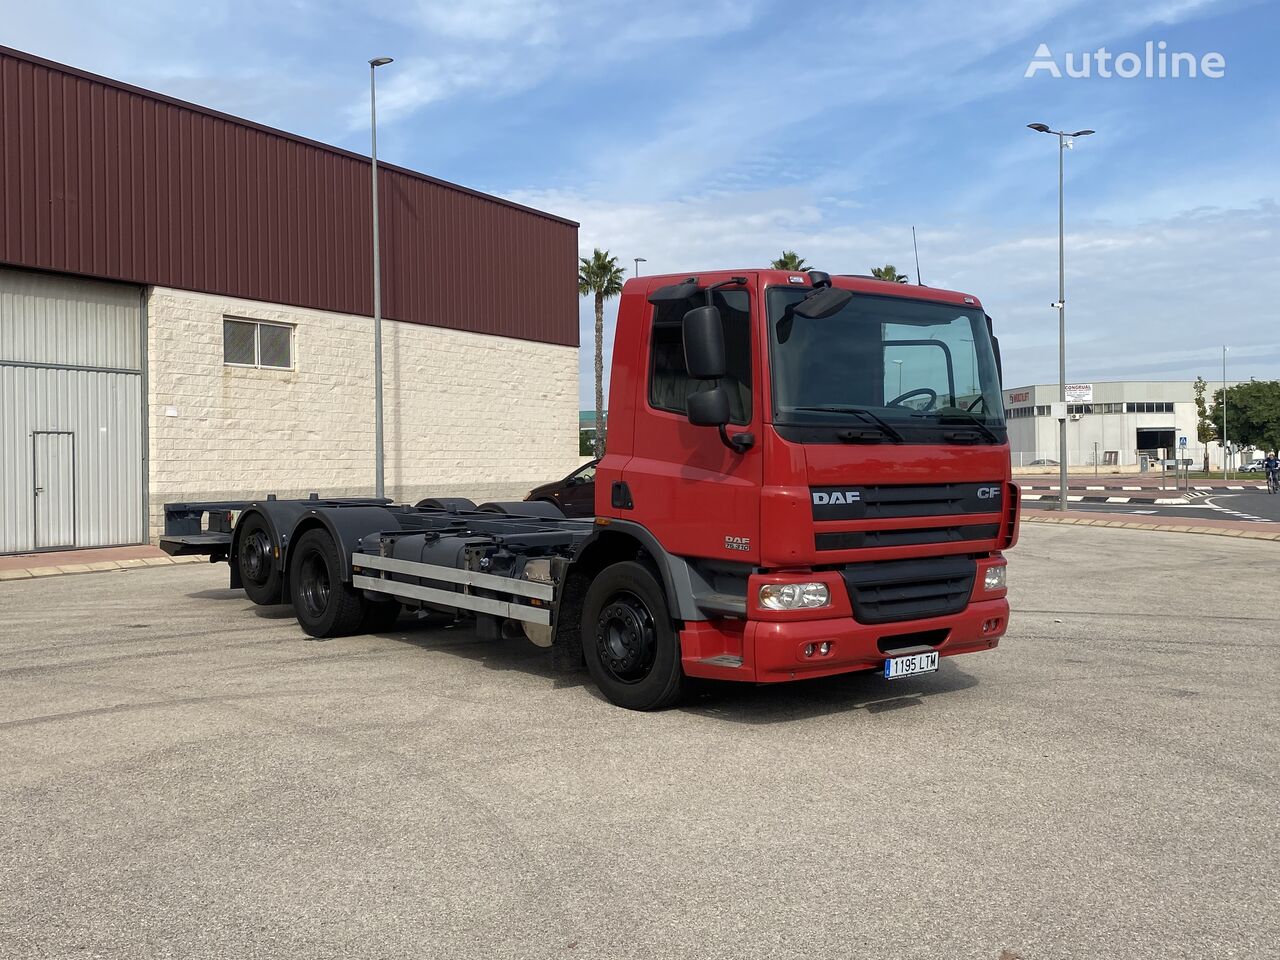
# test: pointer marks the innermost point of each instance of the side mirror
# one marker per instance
(709, 408)
(703, 332)
(995, 348)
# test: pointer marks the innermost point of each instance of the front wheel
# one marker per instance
(628, 640)
(324, 604)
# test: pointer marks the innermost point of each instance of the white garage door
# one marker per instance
(72, 459)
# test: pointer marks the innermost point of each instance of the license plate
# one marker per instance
(900, 667)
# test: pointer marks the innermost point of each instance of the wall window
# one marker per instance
(253, 343)
(1148, 407)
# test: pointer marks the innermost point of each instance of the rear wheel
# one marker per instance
(628, 640)
(256, 561)
(324, 605)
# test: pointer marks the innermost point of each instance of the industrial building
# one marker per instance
(1115, 424)
(185, 314)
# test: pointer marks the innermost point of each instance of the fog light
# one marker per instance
(994, 579)
(992, 625)
(824, 647)
(808, 649)
(794, 596)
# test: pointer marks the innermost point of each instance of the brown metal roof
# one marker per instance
(103, 179)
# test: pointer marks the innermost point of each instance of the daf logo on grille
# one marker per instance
(988, 493)
(838, 496)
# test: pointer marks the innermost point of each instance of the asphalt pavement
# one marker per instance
(1252, 506)
(186, 775)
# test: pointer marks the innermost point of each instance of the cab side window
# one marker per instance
(669, 382)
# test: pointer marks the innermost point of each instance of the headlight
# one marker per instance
(994, 579)
(794, 596)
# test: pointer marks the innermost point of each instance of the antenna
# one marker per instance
(919, 282)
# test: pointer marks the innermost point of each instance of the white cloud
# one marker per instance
(1152, 299)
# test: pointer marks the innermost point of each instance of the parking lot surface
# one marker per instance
(185, 775)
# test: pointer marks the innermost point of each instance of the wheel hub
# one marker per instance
(255, 552)
(626, 639)
(313, 585)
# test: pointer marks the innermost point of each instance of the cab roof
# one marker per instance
(784, 278)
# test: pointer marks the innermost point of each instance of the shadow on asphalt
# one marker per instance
(757, 704)
(717, 699)
(721, 700)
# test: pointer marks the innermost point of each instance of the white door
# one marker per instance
(55, 490)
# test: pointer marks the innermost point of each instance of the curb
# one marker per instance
(1160, 527)
(98, 566)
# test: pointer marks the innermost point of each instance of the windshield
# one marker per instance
(897, 363)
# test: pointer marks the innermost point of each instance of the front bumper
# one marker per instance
(771, 651)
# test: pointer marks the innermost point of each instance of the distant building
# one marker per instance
(1111, 424)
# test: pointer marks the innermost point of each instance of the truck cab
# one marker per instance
(819, 466)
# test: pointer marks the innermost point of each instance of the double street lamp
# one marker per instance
(1064, 143)
(379, 474)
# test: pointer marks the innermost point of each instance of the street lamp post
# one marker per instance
(1224, 413)
(639, 260)
(379, 475)
(1064, 142)
(899, 363)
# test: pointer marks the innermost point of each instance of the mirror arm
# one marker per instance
(739, 442)
(731, 282)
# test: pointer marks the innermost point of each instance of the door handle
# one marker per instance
(39, 490)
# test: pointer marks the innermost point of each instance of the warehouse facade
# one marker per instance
(1112, 424)
(185, 314)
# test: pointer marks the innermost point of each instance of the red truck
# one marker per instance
(805, 475)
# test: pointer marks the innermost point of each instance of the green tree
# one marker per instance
(1253, 414)
(790, 260)
(1204, 426)
(889, 272)
(600, 275)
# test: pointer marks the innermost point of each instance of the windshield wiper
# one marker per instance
(969, 418)
(862, 413)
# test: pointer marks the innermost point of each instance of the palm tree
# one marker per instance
(600, 275)
(790, 260)
(889, 272)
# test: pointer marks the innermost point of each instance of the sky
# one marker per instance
(704, 135)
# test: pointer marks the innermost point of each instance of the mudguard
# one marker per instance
(347, 525)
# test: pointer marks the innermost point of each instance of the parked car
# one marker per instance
(575, 495)
(1255, 466)
(1043, 463)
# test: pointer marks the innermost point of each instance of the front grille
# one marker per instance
(892, 501)
(858, 539)
(896, 590)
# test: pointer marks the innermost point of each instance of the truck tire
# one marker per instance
(255, 559)
(628, 640)
(380, 616)
(324, 605)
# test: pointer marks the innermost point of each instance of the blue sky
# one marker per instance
(703, 135)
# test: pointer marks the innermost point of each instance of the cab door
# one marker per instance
(696, 495)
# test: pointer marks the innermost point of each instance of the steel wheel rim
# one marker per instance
(313, 584)
(255, 554)
(627, 638)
